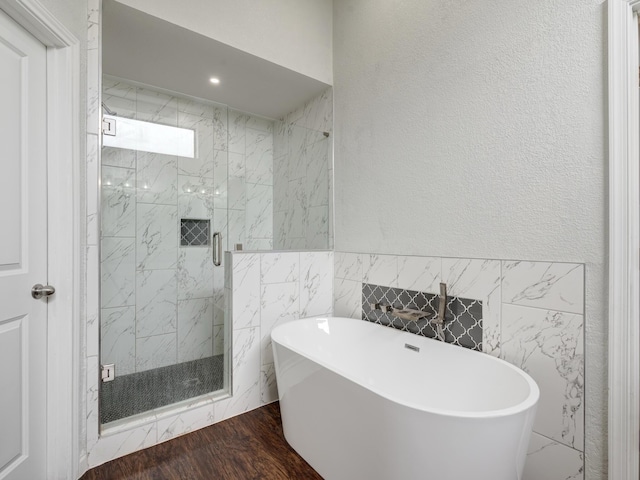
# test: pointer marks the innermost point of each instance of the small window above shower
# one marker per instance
(143, 136)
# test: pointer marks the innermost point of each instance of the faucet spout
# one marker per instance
(442, 305)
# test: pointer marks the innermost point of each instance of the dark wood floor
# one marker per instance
(249, 446)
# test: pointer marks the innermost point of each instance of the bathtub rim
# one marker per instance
(528, 403)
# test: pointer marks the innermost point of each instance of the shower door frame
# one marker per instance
(624, 241)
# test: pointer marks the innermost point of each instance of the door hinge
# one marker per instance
(109, 126)
(108, 372)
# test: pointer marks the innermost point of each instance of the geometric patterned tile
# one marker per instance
(463, 317)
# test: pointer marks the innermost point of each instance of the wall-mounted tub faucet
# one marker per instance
(442, 305)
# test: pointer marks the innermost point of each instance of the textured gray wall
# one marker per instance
(478, 129)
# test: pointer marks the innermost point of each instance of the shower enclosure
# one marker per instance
(181, 180)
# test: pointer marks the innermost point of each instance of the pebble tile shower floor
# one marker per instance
(143, 391)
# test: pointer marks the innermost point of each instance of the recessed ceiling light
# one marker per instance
(215, 80)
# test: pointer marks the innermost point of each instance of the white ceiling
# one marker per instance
(148, 50)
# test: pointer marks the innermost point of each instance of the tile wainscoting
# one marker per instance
(533, 317)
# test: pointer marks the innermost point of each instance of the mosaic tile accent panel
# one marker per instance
(194, 233)
(463, 317)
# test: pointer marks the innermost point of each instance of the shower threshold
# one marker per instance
(143, 391)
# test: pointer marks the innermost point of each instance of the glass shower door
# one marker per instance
(162, 298)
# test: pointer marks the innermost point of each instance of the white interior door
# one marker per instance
(23, 253)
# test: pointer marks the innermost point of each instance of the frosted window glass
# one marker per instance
(150, 137)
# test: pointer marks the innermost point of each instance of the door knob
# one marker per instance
(39, 290)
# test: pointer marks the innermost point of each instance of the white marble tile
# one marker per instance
(380, 269)
(236, 164)
(237, 131)
(220, 179)
(298, 143)
(549, 346)
(197, 166)
(123, 443)
(268, 386)
(156, 236)
(237, 193)
(195, 329)
(118, 268)
(348, 266)
(236, 227)
(280, 267)
(279, 235)
(93, 89)
(259, 123)
(156, 299)
(317, 228)
(120, 97)
(218, 339)
(122, 106)
(220, 127)
(550, 460)
(280, 139)
(117, 88)
(554, 286)
(347, 298)
(195, 273)
(195, 197)
(279, 303)
(92, 416)
(246, 375)
(259, 213)
(260, 244)
(156, 178)
(470, 278)
(298, 210)
(92, 172)
(420, 274)
(295, 116)
(155, 352)
(92, 300)
(316, 283)
(195, 107)
(118, 339)
(317, 181)
(246, 290)
(188, 421)
(318, 112)
(118, 157)
(478, 279)
(156, 107)
(118, 202)
(259, 157)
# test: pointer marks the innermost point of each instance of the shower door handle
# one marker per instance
(217, 249)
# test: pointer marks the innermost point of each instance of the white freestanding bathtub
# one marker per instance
(359, 404)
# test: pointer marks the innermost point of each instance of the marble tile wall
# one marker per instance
(533, 317)
(268, 289)
(303, 173)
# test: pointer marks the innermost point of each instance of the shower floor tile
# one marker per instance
(143, 391)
